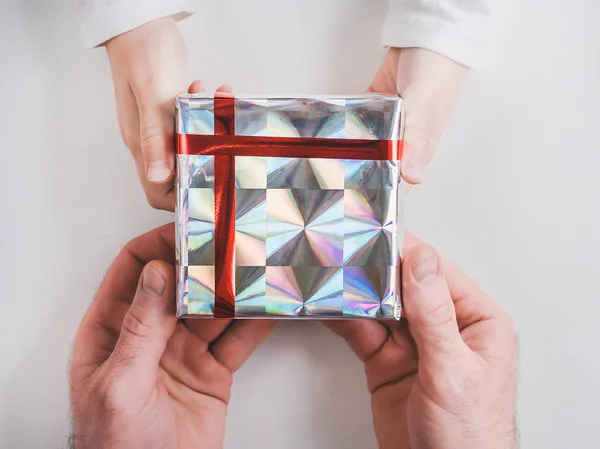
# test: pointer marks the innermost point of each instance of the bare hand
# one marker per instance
(139, 377)
(150, 68)
(446, 376)
(429, 84)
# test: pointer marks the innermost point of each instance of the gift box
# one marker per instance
(289, 207)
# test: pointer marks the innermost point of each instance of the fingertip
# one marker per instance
(240, 340)
(412, 172)
(365, 337)
(196, 87)
(263, 328)
(267, 327)
(225, 88)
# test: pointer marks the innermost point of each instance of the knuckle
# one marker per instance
(136, 323)
(439, 316)
(131, 247)
(152, 135)
(126, 250)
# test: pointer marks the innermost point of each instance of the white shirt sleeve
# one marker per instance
(102, 20)
(454, 28)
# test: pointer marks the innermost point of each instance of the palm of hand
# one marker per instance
(407, 405)
(447, 379)
(189, 402)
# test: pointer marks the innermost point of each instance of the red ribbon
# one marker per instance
(225, 145)
(298, 147)
(224, 212)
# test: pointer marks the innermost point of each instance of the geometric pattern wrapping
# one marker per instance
(314, 238)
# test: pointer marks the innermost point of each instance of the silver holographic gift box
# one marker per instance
(289, 207)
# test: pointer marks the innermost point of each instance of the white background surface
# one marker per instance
(512, 196)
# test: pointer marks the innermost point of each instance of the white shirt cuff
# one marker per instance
(459, 41)
(103, 20)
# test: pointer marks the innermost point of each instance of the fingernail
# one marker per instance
(426, 269)
(152, 283)
(412, 172)
(158, 171)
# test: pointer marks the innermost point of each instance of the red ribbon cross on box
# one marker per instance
(224, 145)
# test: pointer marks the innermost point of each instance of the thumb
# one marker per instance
(156, 138)
(148, 323)
(429, 84)
(430, 309)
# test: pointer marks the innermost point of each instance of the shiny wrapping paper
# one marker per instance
(289, 207)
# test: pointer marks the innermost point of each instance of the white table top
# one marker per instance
(512, 197)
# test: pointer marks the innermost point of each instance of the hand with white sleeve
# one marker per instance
(429, 84)
(150, 68)
(432, 45)
(149, 64)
